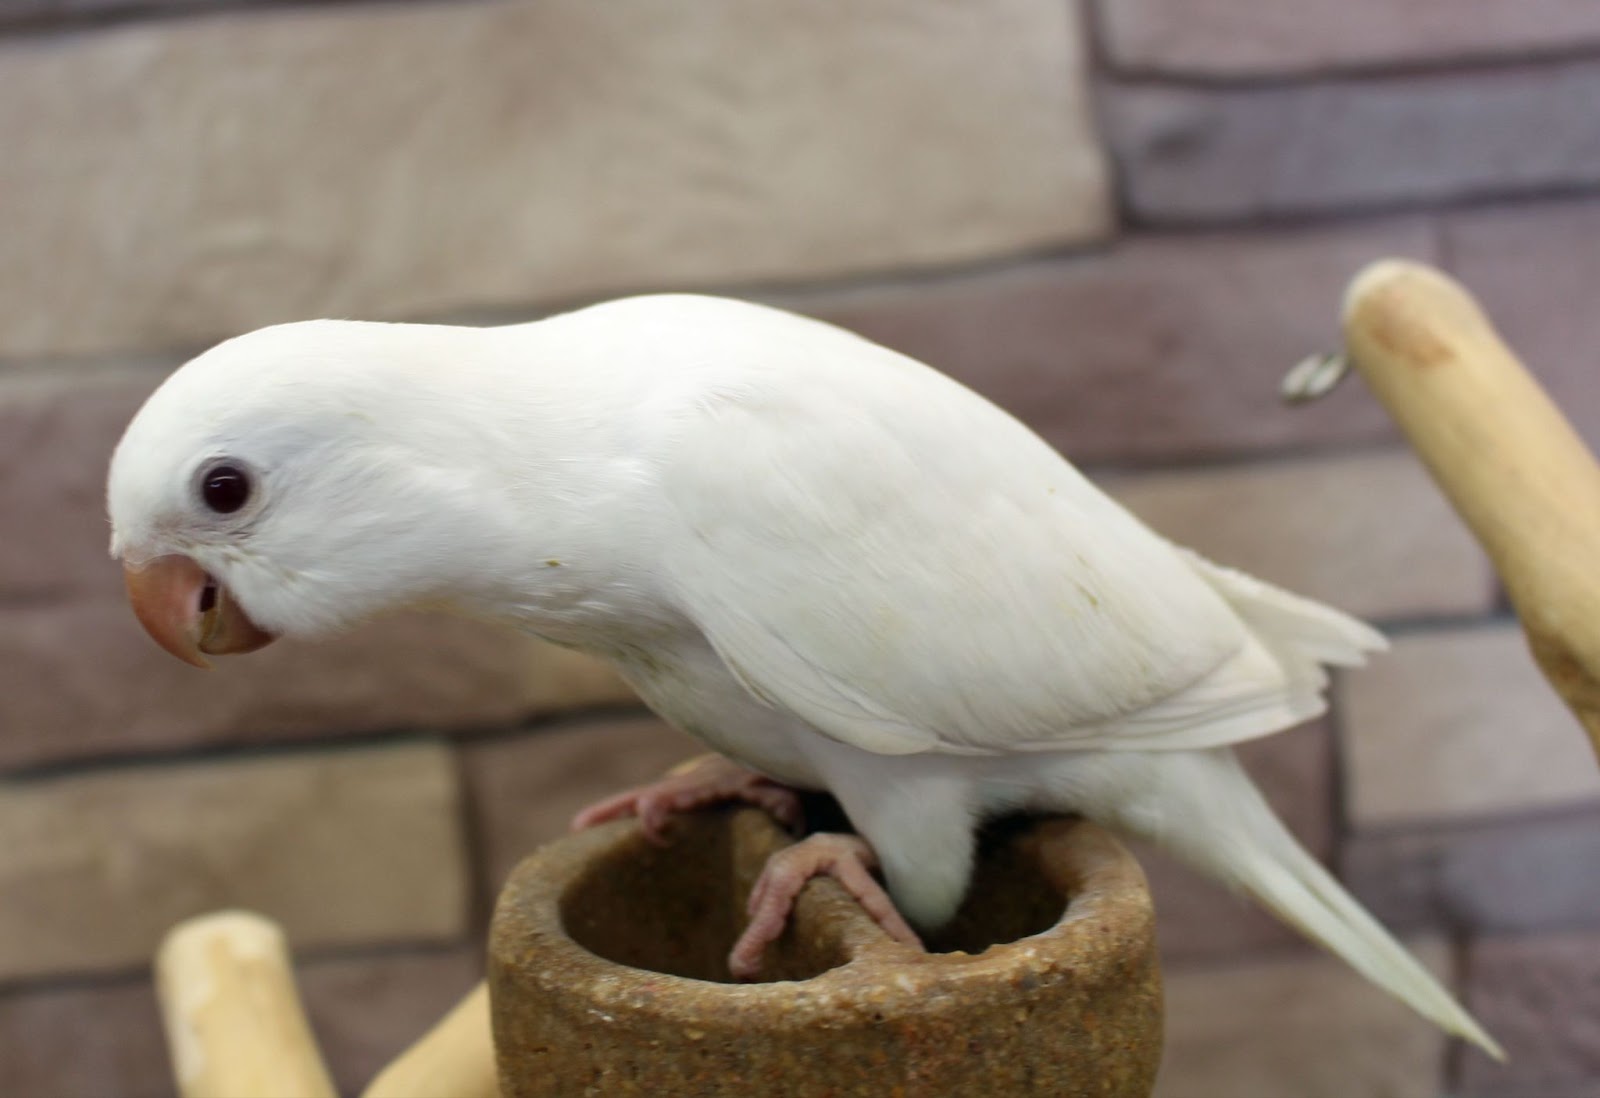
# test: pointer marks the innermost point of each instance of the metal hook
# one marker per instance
(1313, 377)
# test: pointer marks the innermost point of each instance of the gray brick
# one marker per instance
(365, 1011)
(1538, 995)
(1244, 38)
(83, 1041)
(1196, 154)
(56, 437)
(1495, 875)
(81, 679)
(1163, 347)
(97, 1040)
(525, 789)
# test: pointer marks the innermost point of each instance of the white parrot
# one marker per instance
(829, 562)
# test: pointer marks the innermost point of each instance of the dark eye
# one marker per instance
(225, 488)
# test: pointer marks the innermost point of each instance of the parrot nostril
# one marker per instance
(208, 598)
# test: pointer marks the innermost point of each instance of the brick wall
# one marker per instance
(1122, 222)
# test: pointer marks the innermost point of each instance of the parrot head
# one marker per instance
(292, 482)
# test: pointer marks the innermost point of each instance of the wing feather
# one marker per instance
(929, 576)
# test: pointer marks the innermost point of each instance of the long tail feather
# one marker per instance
(1303, 894)
(1205, 809)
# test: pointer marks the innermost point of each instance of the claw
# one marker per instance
(705, 781)
(846, 858)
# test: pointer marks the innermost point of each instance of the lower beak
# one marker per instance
(186, 612)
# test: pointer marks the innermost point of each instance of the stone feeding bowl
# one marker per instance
(607, 974)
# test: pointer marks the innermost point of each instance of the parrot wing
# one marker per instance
(903, 592)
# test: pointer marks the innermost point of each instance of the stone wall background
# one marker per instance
(1122, 220)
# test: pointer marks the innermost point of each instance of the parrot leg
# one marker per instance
(705, 781)
(846, 858)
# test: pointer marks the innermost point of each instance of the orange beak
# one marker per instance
(188, 613)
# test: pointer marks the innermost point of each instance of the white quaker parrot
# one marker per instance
(832, 564)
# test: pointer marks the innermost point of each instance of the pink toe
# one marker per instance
(653, 816)
(779, 803)
(742, 964)
(744, 961)
(604, 812)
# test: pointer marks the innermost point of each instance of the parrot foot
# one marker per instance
(846, 858)
(705, 781)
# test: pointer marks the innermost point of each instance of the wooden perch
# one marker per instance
(1508, 460)
(235, 1028)
(455, 1057)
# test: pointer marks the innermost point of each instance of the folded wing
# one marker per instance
(937, 579)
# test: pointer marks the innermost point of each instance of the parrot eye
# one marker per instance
(225, 488)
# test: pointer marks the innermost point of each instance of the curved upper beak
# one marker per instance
(186, 612)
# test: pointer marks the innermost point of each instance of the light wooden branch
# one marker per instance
(1500, 449)
(235, 1027)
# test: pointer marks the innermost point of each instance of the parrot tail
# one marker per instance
(1204, 808)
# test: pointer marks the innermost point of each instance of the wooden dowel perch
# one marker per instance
(235, 1028)
(1509, 461)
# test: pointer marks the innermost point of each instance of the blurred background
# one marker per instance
(1121, 219)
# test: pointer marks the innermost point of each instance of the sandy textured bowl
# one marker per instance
(607, 974)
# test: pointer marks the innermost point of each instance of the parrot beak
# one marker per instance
(186, 612)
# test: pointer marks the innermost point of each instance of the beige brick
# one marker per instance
(1457, 723)
(1199, 919)
(1162, 347)
(1248, 38)
(1207, 154)
(343, 847)
(1538, 995)
(81, 679)
(389, 160)
(525, 789)
(1537, 276)
(1369, 533)
(1304, 1026)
